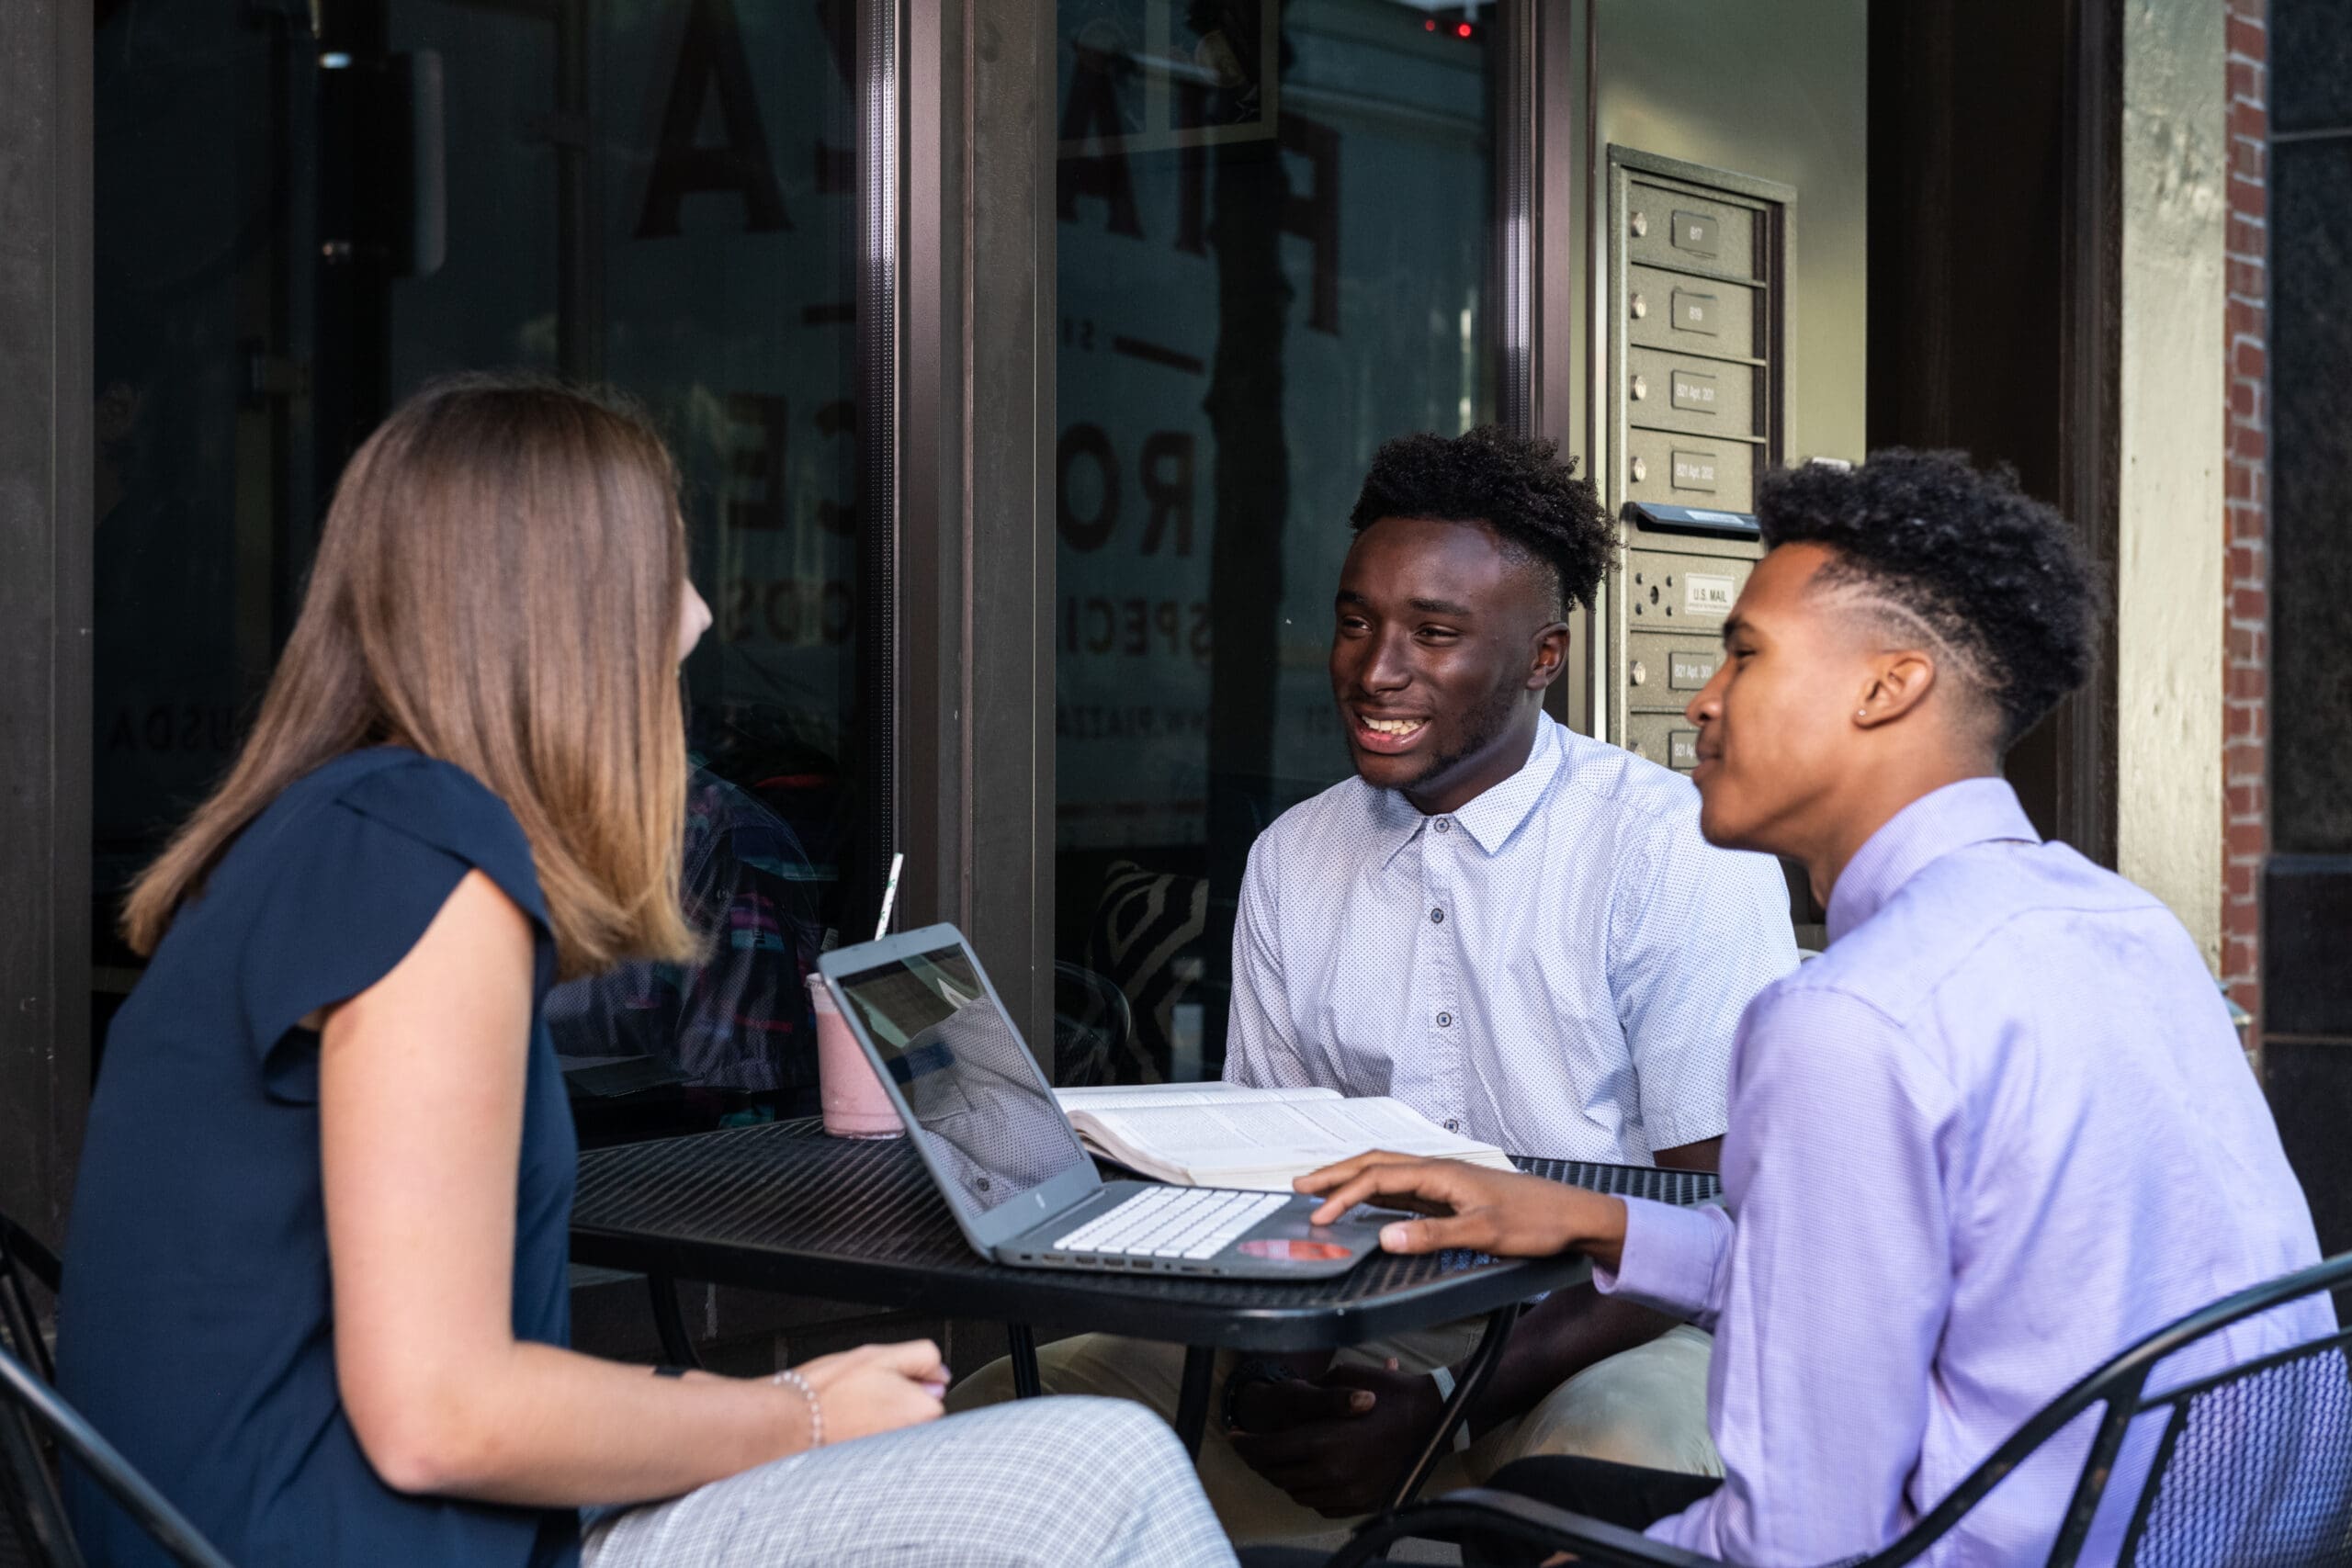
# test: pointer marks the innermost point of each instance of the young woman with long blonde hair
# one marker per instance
(315, 1283)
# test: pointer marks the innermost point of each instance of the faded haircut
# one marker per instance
(1957, 560)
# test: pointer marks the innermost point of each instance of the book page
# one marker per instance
(1225, 1142)
(1151, 1096)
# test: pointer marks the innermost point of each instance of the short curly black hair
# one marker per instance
(1518, 487)
(1994, 576)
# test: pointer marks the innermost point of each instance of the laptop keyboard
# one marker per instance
(1173, 1221)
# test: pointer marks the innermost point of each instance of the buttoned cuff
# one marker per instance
(1670, 1258)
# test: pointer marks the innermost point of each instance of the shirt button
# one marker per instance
(1452, 1125)
(1444, 824)
(1446, 1020)
(1437, 917)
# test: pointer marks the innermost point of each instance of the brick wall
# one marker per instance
(2246, 827)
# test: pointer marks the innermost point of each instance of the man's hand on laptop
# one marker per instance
(1471, 1207)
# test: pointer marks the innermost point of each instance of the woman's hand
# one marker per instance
(1473, 1207)
(877, 1388)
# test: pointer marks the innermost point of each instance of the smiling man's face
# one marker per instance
(1443, 641)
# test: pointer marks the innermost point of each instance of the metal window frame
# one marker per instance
(1520, 158)
(45, 553)
(975, 403)
(1567, 281)
(880, 70)
(2091, 307)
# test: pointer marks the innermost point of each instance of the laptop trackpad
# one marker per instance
(1285, 1237)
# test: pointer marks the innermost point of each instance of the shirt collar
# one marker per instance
(1973, 811)
(1490, 818)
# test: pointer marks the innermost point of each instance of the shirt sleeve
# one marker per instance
(1833, 1285)
(1261, 1048)
(1695, 932)
(352, 885)
(1672, 1262)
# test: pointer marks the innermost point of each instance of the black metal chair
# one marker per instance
(24, 1262)
(32, 1420)
(37, 1428)
(2212, 1495)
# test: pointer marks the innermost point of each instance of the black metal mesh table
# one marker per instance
(784, 1207)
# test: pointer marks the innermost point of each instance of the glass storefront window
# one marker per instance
(306, 209)
(1277, 249)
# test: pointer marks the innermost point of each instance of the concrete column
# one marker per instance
(2172, 550)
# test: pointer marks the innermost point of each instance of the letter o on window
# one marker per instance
(1086, 533)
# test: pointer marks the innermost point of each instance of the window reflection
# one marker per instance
(1276, 244)
(307, 208)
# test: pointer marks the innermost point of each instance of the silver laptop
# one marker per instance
(985, 1123)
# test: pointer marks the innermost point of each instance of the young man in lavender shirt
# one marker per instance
(1999, 1131)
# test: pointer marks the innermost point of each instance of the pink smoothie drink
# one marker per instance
(855, 1103)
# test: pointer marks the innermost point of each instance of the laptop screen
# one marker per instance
(977, 1096)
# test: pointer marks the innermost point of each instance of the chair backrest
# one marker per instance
(36, 1426)
(32, 1520)
(25, 1262)
(33, 1527)
(1093, 1028)
(2254, 1468)
(31, 1418)
(1147, 935)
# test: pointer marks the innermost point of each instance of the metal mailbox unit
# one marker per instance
(1699, 355)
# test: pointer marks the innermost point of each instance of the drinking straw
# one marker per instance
(889, 895)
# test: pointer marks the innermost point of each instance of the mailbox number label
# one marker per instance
(1689, 671)
(1696, 232)
(1695, 314)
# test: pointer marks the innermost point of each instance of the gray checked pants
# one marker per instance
(1045, 1483)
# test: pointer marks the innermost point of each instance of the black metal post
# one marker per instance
(677, 1344)
(1023, 1340)
(1192, 1399)
(1476, 1372)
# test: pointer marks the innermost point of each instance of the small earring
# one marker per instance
(1861, 713)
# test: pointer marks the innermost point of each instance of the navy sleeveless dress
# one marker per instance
(197, 1329)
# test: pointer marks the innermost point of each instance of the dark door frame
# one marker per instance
(45, 559)
(2008, 125)
(2091, 330)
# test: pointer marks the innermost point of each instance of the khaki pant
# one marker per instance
(1645, 1406)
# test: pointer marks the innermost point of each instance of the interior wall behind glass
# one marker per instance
(1276, 251)
(659, 196)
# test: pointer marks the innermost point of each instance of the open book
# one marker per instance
(1214, 1134)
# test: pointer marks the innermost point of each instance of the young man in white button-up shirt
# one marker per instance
(1517, 931)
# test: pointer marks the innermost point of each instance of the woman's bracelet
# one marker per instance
(791, 1378)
